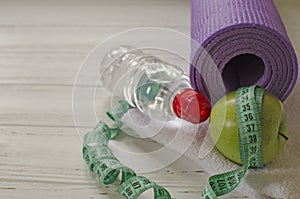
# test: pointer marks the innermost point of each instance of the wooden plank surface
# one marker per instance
(42, 44)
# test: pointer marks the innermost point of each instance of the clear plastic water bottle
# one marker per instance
(159, 89)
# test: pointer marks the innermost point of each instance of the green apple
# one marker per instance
(224, 127)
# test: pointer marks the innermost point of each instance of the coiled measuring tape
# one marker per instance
(248, 110)
(107, 167)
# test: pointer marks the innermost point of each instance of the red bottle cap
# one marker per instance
(191, 106)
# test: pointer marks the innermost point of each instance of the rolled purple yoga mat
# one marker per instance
(248, 43)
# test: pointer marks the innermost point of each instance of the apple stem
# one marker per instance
(284, 136)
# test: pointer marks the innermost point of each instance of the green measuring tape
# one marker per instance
(107, 167)
(248, 109)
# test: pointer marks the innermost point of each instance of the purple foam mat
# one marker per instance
(244, 43)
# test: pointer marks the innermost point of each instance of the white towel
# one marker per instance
(279, 179)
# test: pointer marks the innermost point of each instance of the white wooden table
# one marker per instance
(41, 47)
